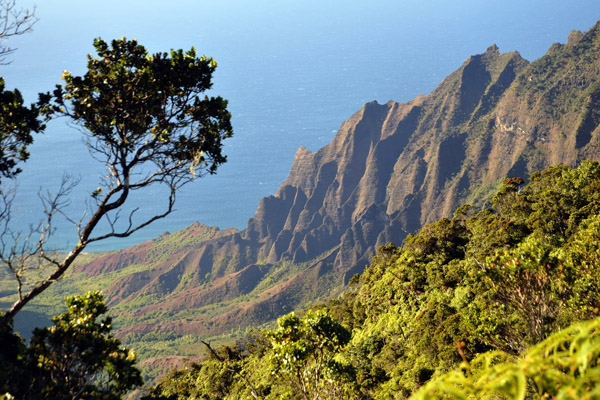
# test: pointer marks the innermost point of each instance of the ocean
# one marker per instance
(292, 71)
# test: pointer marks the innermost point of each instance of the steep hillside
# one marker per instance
(467, 293)
(390, 169)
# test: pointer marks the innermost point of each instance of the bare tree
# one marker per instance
(14, 21)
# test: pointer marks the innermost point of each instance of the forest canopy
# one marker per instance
(472, 294)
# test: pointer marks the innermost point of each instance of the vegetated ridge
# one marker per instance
(390, 169)
(485, 304)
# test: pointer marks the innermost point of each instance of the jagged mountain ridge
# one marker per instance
(390, 169)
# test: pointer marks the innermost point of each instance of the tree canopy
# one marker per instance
(147, 120)
(76, 358)
(17, 122)
(304, 353)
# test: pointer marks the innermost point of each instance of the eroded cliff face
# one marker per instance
(390, 169)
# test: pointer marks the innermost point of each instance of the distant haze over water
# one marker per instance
(292, 71)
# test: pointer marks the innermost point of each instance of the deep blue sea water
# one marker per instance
(292, 71)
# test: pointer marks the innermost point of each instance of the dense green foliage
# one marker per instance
(148, 108)
(498, 280)
(304, 353)
(564, 366)
(301, 353)
(17, 122)
(77, 358)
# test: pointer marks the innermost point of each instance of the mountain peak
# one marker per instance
(574, 36)
(302, 152)
(493, 49)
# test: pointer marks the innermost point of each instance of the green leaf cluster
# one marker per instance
(150, 107)
(17, 122)
(77, 357)
(304, 353)
(563, 366)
